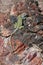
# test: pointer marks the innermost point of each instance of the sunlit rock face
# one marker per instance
(40, 4)
(6, 2)
(5, 5)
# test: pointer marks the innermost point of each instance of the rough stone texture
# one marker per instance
(41, 3)
(6, 4)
